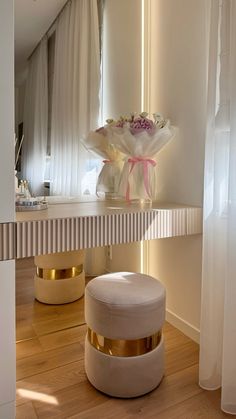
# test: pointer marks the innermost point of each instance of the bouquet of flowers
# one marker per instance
(140, 139)
(99, 143)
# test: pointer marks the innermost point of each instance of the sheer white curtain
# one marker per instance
(75, 102)
(218, 319)
(34, 146)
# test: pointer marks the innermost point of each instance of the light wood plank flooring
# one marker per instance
(51, 381)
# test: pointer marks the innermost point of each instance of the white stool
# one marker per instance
(59, 277)
(124, 348)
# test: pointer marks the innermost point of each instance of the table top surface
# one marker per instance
(72, 209)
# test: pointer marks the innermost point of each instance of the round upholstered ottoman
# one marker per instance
(124, 349)
(59, 277)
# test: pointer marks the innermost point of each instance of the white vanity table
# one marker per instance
(80, 225)
(67, 226)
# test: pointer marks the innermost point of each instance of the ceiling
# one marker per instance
(32, 19)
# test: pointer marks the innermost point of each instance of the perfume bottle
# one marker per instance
(21, 187)
(16, 182)
(27, 193)
(24, 189)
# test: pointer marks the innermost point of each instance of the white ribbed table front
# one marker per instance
(81, 225)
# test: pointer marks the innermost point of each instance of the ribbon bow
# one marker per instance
(145, 162)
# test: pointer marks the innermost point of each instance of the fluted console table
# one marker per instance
(79, 225)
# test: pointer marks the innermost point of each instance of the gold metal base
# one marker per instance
(122, 347)
(53, 274)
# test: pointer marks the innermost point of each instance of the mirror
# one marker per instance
(121, 91)
(34, 319)
(121, 80)
(57, 95)
(32, 21)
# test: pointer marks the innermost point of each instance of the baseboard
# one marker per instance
(8, 411)
(188, 329)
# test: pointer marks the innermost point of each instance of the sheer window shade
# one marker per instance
(51, 59)
(77, 83)
(36, 120)
(218, 314)
(75, 100)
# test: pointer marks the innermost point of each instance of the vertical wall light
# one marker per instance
(145, 54)
(145, 96)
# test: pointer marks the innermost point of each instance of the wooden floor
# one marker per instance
(51, 381)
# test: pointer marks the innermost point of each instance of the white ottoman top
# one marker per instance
(125, 305)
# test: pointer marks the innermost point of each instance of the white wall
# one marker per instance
(19, 105)
(7, 341)
(125, 257)
(95, 261)
(7, 210)
(122, 89)
(178, 90)
(121, 58)
(177, 263)
(177, 81)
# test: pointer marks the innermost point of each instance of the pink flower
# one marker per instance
(120, 123)
(141, 124)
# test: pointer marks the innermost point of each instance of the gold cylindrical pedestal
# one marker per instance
(59, 277)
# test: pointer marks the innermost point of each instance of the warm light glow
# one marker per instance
(145, 44)
(141, 257)
(123, 277)
(145, 54)
(142, 56)
(33, 395)
(142, 108)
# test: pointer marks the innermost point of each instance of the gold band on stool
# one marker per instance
(122, 347)
(59, 273)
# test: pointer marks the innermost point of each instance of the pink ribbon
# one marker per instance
(145, 162)
(108, 161)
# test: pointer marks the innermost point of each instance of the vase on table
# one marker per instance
(109, 179)
(138, 179)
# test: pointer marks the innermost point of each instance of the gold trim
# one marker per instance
(53, 274)
(122, 347)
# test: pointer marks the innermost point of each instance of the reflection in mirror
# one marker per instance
(120, 55)
(57, 84)
(58, 79)
(34, 319)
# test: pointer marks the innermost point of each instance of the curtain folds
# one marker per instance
(34, 147)
(75, 101)
(218, 314)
